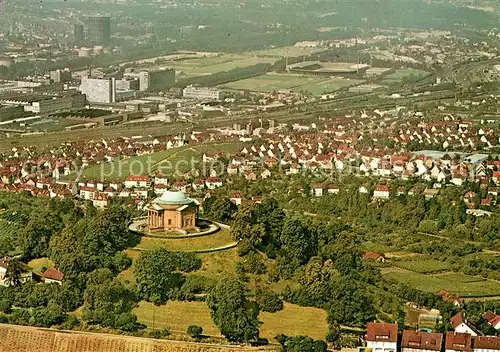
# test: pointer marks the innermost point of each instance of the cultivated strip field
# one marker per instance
(28, 339)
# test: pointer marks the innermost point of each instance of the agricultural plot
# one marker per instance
(269, 83)
(8, 232)
(422, 265)
(459, 284)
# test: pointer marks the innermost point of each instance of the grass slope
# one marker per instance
(459, 284)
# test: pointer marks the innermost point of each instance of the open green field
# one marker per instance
(38, 265)
(292, 320)
(459, 284)
(267, 83)
(170, 161)
(218, 239)
(422, 265)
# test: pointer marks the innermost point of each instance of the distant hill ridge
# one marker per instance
(14, 338)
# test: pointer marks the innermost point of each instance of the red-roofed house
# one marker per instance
(458, 342)
(137, 181)
(419, 341)
(461, 325)
(382, 337)
(374, 256)
(381, 192)
(493, 319)
(52, 275)
(486, 343)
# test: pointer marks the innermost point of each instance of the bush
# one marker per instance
(159, 333)
(268, 300)
(195, 331)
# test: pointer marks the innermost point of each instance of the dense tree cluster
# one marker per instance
(234, 315)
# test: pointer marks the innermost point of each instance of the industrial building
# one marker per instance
(60, 76)
(328, 68)
(98, 29)
(43, 104)
(201, 93)
(99, 90)
(157, 80)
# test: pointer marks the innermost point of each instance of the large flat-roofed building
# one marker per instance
(60, 76)
(78, 33)
(127, 84)
(172, 212)
(98, 29)
(201, 93)
(99, 90)
(156, 80)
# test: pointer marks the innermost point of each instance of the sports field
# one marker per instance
(268, 83)
(213, 64)
(399, 75)
(459, 284)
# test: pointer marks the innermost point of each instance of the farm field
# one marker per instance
(422, 265)
(292, 320)
(17, 338)
(218, 239)
(180, 159)
(268, 83)
(459, 284)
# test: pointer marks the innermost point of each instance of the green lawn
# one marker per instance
(292, 320)
(312, 84)
(459, 284)
(422, 265)
(37, 265)
(218, 239)
(177, 316)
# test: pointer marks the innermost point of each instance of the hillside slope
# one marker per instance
(15, 338)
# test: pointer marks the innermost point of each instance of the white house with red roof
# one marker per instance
(236, 198)
(213, 182)
(133, 181)
(381, 192)
(382, 337)
(52, 275)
